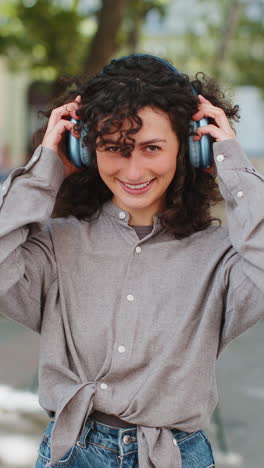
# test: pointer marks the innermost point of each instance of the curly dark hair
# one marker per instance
(117, 93)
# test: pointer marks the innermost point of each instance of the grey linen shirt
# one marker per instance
(129, 326)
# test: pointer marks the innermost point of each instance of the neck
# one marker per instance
(138, 216)
(137, 222)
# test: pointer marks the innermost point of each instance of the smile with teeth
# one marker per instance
(137, 186)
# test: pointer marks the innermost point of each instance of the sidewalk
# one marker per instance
(240, 376)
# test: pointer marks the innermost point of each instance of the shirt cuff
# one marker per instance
(228, 154)
(45, 165)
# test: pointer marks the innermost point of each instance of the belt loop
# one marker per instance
(81, 442)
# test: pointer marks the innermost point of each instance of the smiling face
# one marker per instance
(139, 182)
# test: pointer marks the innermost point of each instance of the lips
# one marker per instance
(139, 183)
(137, 188)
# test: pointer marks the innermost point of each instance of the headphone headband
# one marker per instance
(159, 59)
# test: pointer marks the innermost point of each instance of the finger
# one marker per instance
(203, 99)
(208, 110)
(78, 99)
(53, 137)
(68, 109)
(215, 132)
(66, 125)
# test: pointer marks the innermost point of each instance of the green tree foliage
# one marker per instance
(231, 45)
(58, 37)
(54, 38)
(248, 53)
(43, 35)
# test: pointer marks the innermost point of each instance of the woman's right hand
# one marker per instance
(58, 124)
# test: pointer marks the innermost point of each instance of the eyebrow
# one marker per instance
(142, 143)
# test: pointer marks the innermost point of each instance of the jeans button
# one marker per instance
(127, 439)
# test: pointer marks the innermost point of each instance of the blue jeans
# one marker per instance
(103, 446)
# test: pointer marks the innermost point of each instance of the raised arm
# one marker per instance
(27, 264)
(242, 186)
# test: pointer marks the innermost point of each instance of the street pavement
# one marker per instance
(240, 376)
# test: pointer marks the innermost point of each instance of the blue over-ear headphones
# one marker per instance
(200, 152)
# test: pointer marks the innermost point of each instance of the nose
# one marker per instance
(134, 168)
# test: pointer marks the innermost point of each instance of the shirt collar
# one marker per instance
(123, 216)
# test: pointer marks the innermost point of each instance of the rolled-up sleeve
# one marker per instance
(27, 264)
(242, 273)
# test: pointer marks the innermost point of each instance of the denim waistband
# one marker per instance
(131, 431)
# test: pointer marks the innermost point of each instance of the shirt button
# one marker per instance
(174, 442)
(122, 215)
(220, 157)
(35, 158)
(121, 349)
(138, 249)
(130, 297)
(103, 386)
(240, 194)
(3, 188)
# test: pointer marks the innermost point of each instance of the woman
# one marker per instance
(133, 288)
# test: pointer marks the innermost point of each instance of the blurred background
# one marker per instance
(43, 40)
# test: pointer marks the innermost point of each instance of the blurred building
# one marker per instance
(13, 112)
(21, 99)
(20, 104)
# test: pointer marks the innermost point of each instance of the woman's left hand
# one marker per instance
(222, 130)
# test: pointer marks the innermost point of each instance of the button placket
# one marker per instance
(126, 320)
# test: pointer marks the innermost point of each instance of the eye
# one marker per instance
(113, 149)
(152, 148)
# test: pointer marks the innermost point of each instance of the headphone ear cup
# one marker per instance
(200, 151)
(79, 154)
